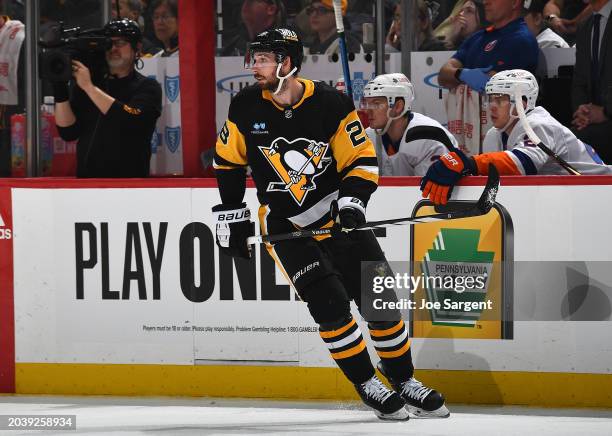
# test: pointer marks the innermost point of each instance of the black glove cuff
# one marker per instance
(232, 206)
(60, 92)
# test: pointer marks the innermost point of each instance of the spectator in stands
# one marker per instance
(592, 84)
(425, 40)
(257, 16)
(545, 36)
(406, 142)
(166, 26)
(564, 16)
(469, 19)
(482, 54)
(132, 10)
(323, 24)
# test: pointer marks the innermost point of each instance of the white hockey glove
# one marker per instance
(348, 212)
(233, 227)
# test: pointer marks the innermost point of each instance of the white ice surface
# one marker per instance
(198, 416)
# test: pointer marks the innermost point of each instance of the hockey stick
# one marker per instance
(537, 141)
(482, 207)
(343, 49)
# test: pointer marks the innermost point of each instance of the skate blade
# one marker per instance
(441, 412)
(400, 415)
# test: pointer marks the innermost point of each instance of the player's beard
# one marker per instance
(272, 84)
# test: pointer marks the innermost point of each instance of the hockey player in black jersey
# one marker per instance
(309, 153)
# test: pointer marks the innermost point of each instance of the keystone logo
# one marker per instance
(4, 232)
(455, 253)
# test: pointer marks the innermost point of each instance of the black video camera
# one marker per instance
(61, 46)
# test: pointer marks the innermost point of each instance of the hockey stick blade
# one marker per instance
(482, 207)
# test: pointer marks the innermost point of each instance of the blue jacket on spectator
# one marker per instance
(511, 47)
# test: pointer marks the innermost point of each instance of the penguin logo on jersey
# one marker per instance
(297, 163)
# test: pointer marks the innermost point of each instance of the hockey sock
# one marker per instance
(347, 347)
(392, 344)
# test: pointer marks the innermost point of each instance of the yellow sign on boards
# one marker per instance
(480, 247)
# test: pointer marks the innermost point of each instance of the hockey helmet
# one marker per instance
(280, 41)
(124, 28)
(515, 83)
(391, 86)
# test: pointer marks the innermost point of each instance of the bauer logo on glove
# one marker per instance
(234, 216)
(233, 227)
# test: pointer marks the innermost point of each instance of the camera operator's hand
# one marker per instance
(82, 76)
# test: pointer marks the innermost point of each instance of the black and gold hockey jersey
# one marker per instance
(302, 157)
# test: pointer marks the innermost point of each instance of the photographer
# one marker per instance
(114, 119)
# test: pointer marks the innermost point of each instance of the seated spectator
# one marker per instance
(592, 83)
(406, 142)
(425, 40)
(323, 25)
(507, 145)
(257, 16)
(132, 10)
(506, 44)
(469, 19)
(535, 22)
(165, 25)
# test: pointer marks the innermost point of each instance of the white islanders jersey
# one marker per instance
(530, 159)
(422, 143)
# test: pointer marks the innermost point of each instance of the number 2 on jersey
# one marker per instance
(356, 133)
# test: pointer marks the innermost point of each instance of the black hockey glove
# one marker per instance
(233, 227)
(348, 212)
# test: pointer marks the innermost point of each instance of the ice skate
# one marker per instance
(386, 403)
(420, 400)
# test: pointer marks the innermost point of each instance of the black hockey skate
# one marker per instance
(386, 403)
(420, 400)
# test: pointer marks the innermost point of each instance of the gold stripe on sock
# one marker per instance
(389, 331)
(333, 333)
(396, 353)
(350, 352)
